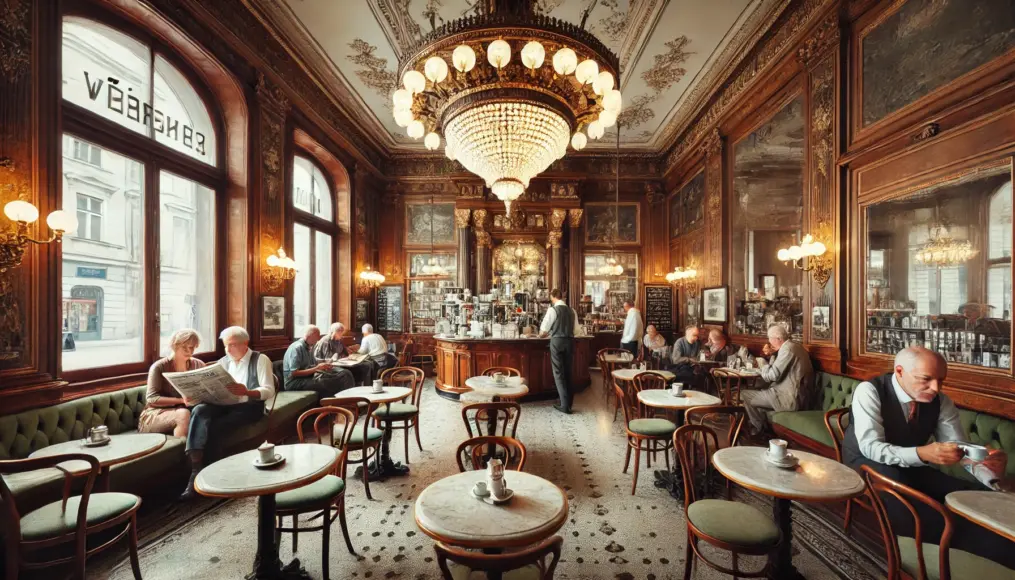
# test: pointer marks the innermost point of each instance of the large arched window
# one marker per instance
(141, 166)
(314, 235)
(999, 239)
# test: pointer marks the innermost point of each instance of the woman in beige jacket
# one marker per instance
(165, 410)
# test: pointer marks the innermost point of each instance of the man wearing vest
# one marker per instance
(561, 324)
(893, 418)
(254, 385)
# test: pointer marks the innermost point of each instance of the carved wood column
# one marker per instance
(464, 255)
(577, 258)
(480, 221)
(713, 267)
(554, 243)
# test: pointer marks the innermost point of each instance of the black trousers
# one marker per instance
(325, 383)
(631, 347)
(208, 422)
(561, 353)
(965, 534)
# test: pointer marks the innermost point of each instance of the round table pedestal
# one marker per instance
(267, 565)
(383, 467)
(783, 568)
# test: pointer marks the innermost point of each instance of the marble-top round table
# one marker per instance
(513, 387)
(384, 467)
(664, 399)
(994, 510)
(235, 476)
(448, 512)
(629, 374)
(815, 479)
(120, 449)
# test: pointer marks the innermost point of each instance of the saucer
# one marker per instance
(787, 462)
(508, 494)
(681, 395)
(90, 443)
(279, 460)
(476, 495)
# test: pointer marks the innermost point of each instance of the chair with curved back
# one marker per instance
(478, 450)
(406, 354)
(727, 525)
(607, 368)
(403, 416)
(728, 385)
(730, 418)
(916, 556)
(836, 422)
(529, 562)
(326, 495)
(643, 434)
(70, 520)
(504, 414)
(360, 407)
(645, 381)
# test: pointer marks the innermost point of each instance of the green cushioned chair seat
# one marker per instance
(654, 427)
(356, 438)
(530, 572)
(319, 493)
(810, 424)
(733, 522)
(963, 564)
(396, 410)
(51, 520)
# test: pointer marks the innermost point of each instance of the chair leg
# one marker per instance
(13, 555)
(366, 471)
(688, 557)
(627, 456)
(666, 456)
(733, 558)
(296, 534)
(650, 454)
(325, 543)
(135, 565)
(637, 459)
(278, 530)
(418, 442)
(345, 527)
(849, 514)
(405, 441)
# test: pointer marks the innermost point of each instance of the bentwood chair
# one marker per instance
(642, 382)
(530, 563)
(643, 434)
(727, 525)
(68, 521)
(326, 495)
(917, 557)
(836, 422)
(728, 385)
(478, 450)
(501, 415)
(402, 416)
(365, 440)
(728, 418)
(607, 367)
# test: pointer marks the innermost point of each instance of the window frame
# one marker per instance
(155, 157)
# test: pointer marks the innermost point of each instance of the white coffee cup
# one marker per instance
(378, 386)
(499, 378)
(266, 452)
(480, 489)
(98, 434)
(974, 452)
(678, 389)
(777, 449)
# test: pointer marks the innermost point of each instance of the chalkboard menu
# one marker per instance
(389, 308)
(659, 307)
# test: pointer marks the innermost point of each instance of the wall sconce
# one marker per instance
(371, 278)
(810, 256)
(12, 246)
(280, 268)
(683, 278)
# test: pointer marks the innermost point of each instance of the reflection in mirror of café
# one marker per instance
(938, 269)
(768, 180)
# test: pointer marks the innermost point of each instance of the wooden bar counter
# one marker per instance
(461, 358)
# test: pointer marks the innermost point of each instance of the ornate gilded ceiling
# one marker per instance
(672, 52)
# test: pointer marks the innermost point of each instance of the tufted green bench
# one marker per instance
(23, 433)
(807, 428)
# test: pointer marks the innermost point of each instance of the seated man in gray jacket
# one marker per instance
(790, 380)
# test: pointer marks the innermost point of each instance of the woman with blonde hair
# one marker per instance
(165, 410)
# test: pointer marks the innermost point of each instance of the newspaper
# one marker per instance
(205, 385)
(351, 360)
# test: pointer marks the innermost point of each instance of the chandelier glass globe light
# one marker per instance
(511, 109)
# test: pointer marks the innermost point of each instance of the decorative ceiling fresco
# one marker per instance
(671, 52)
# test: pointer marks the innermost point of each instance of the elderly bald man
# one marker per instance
(302, 372)
(894, 417)
(790, 379)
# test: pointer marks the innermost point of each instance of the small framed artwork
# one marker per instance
(768, 286)
(821, 321)
(713, 305)
(273, 309)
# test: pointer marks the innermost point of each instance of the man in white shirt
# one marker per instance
(254, 385)
(894, 417)
(376, 348)
(633, 329)
(560, 323)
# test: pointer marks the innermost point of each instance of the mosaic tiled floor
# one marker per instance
(610, 535)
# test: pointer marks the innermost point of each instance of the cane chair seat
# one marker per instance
(733, 523)
(52, 520)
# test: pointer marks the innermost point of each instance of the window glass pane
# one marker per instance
(310, 189)
(609, 292)
(180, 119)
(1000, 223)
(301, 285)
(323, 259)
(103, 275)
(322, 195)
(106, 72)
(999, 290)
(187, 271)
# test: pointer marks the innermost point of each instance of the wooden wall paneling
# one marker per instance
(655, 251)
(716, 187)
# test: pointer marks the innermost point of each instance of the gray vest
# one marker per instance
(898, 431)
(251, 369)
(563, 326)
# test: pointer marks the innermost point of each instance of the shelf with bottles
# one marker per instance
(426, 302)
(984, 342)
(754, 316)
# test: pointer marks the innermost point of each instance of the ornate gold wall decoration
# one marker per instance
(666, 70)
(654, 193)
(480, 219)
(826, 36)
(557, 217)
(470, 190)
(926, 132)
(15, 38)
(822, 178)
(564, 190)
(274, 107)
(553, 239)
(574, 217)
(483, 239)
(713, 209)
(462, 218)
(373, 71)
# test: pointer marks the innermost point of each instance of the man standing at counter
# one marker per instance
(561, 324)
(631, 339)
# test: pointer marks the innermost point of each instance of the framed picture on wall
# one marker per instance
(713, 305)
(273, 310)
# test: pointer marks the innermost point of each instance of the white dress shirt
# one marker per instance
(238, 369)
(633, 328)
(657, 344)
(373, 345)
(551, 316)
(870, 430)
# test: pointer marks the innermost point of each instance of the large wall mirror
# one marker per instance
(767, 214)
(938, 268)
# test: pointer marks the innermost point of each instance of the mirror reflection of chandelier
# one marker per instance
(519, 263)
(524, 86)
(942, 251)
(433, 267)
(611, 268)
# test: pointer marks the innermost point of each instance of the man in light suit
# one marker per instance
(790, 380)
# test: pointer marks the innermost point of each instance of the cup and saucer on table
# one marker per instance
(482, 491)
(779, 456)
(377, 387)
(677, 390)
(97, 436)
(266, 456)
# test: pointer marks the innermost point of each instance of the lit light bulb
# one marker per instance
(21, 211)
(596, 129)
(579, 141)
(533, 55)
(402, 99)
(61, 221)
(603, 82)
(414, 81)
(403, 117)
(612, 101)
(273, 260)
(783, 255)
(564, 61)
(436, 69)
(432, 141)
(464, 58)
(498, 53)
(608, 119)
(817, 249)
(587, 71)
(415, 129)
(795, 252)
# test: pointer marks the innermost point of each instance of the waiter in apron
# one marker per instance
(561, 324)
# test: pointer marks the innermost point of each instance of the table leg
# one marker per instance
(102, 481)
(267, 566)
(384, 467)
(782, 568)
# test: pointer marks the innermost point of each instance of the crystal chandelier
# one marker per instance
(524, 86)
(943, 251)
